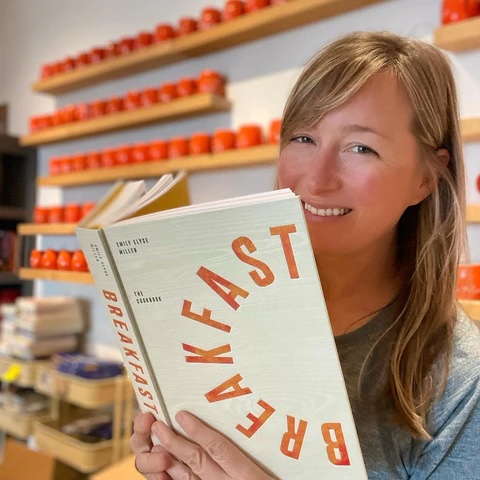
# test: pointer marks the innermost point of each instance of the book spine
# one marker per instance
(106, 279)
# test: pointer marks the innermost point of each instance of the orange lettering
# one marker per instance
(145, 393)
(151, 407)
(139, 379)
(268, 277)
(295, 436)
(213, 280)
(335, 445)
(110, 295)
(131, 353)
(124, 338)
(219, 393)
(115, 310)
(205, 317)
(207, 356)
(284, 231)
(137, 367)
(257, 422)
(120, 324)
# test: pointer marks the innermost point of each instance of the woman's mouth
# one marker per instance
(327, 212)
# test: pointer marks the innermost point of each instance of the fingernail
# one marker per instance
(180, 417)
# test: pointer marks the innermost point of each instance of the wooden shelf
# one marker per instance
(56, 275)
(265, 22)
(473, 213)
(46, 228)
(472, 307)
(228, 159)
(161, 112)
(470, 128)
(459, 36)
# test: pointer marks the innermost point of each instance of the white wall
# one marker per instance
(33, 32)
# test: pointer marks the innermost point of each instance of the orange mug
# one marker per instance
(64, 260)
(40, 214)
(224, 140)
(210, 81)
(249, 136)
(127, 45)
(72, 213)
(83, 111)
(55, 214)
(94, 160)
(149, 96)
(82, 60)
(143, 39)
(468, 283)
(133, 100)
(115, 105)
(164, 32)
(253, 5)
(158, 150)
(97, 54)
(274, 131)
(79, 162)
(113, 50)
(79, 262)
(98, 108)
(35, 260)
(209, 17)
(123, 155)
(187, 86)
(49, 259)
(66, 164)
(200, 143)
(186, 25)
(233, 8)
(86, 208)
(108, 158)
(140, 153)
(178, 147)
(168, 91)
(54, 166)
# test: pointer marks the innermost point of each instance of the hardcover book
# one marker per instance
(219, 311)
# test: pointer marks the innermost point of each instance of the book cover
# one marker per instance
(226, 306)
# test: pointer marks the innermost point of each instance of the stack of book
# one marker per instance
(39, 327)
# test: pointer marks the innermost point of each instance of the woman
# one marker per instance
(371, 144)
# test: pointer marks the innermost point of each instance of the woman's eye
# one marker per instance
(302, 139)
(363, 150)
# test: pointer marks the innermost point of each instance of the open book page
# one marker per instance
(214, 205)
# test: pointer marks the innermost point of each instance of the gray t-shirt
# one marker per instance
(389, 451)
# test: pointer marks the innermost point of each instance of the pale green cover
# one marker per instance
(281, 340)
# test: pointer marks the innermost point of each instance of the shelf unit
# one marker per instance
(263, 154)
(472, 307)
(12, 213)
(19, 425)
(246, 28)
(9, 278)
(459, 36)
(161, 112)
(28, 370)
(55, 275)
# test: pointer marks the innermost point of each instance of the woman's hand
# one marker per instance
(208, 456)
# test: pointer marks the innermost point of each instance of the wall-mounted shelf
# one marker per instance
(46, 228)
(161, 112)
(473, 213)
(459, 36)
(265, 22)
(56, 275)
(228, 159)
(472, 307)
(470, 129)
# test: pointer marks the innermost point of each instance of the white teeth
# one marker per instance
(327, 212)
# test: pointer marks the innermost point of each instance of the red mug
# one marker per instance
(249, 136)
(233, 9)
(186, 25)
(144, 39)
(253, 5)
(200, 143)
(178, 147)
(94, 160)
(168, 91)
(164, 32)
(468, 283)
(140, 153)
(72, 213)
(224, 140)
(210, 81)
(187, 86)
(158, 150)
(274, 131)
(209, 17)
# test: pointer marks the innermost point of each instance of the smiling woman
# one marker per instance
(370, 142)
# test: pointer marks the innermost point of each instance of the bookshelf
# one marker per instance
(55, 275)
(161, 112)
(244, 29)
(470, 129)
(473, 213)
(459, 36)
(263, 154)
(25, 229)
(472, 307)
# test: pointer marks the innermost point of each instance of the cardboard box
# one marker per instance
(122, 470)
(21, 463)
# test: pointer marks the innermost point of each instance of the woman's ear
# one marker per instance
(443, 155)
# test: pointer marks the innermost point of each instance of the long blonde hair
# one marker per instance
(431, 234)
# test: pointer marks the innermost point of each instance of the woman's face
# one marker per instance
(357, 170)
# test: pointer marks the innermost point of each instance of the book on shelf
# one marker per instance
(219, 311)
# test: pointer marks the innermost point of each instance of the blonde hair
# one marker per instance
(431, 234)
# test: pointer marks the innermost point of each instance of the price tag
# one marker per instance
(12, 373)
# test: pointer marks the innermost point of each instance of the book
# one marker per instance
(219, 311)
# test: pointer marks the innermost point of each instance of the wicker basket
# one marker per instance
(28, 370)
(20, 425)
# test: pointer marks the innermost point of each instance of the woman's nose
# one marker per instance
(325, 175)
